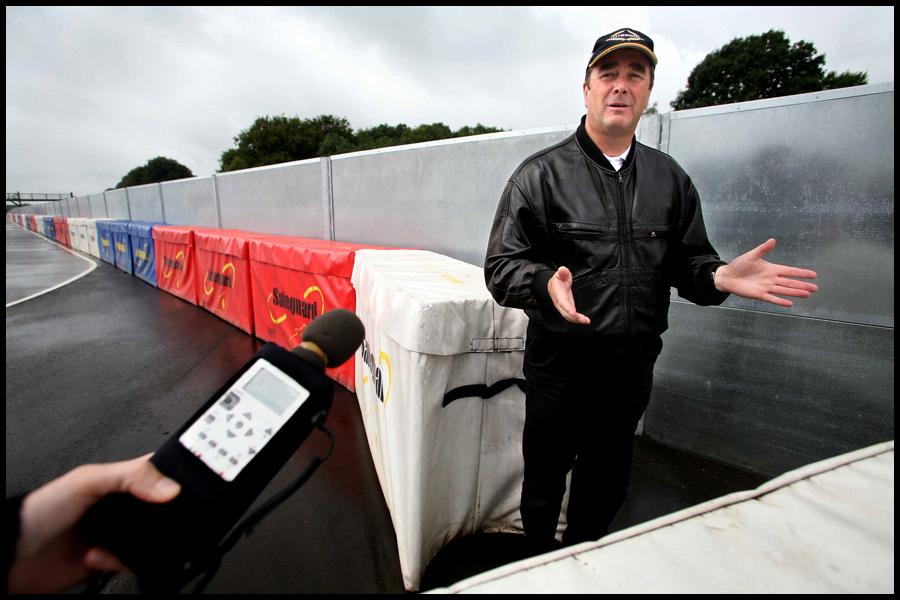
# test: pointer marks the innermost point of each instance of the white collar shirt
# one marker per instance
(618, 161)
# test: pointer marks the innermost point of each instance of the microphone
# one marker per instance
(224, 456)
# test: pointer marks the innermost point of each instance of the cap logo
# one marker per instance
(625, 35)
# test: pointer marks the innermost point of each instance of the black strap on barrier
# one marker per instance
(470, 391)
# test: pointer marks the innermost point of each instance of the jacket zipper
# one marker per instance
(624, 244)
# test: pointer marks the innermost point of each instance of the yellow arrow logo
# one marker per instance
(384, 356)
(172, 270)
(271, 316)
(141, 254)
(309, 291)
(224, 269)
(315, 288)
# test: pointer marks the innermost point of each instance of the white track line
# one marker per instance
(55, 287)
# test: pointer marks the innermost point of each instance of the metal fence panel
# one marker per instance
(818, 176)
(98, 206)
(771, 388)
(190, 202)
(770, 393)
(84, 207)
(117, 204)
(145, 203)
(282, 200)
(648, 130)
(438, 197)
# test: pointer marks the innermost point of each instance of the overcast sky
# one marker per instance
(93, 92)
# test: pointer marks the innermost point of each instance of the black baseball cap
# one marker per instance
(623, 38)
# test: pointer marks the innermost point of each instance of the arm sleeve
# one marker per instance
(512, 272)
(694, 257)
(13, 508)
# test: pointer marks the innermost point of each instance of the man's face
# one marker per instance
(619, 92)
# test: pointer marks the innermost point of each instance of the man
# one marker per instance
(604, 225)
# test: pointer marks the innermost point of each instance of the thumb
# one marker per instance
(764, 248)
(148, 484)
(138, 477)
(564, 276)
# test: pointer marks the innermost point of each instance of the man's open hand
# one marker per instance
(560, 288)
(749, 276)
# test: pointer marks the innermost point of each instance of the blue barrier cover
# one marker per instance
(105, 242)
(122, 245)
(49, 230)
(141, 234)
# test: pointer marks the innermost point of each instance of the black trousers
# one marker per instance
(583, 402)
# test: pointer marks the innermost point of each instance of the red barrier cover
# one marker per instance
(297, 279)
(62, 230)
(222, 274)
(174, 247)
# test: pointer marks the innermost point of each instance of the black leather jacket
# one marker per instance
(626, 236)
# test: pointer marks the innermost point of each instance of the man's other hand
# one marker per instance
(560, 288)
(749, 276)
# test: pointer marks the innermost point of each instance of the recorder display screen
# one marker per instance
(271, 392)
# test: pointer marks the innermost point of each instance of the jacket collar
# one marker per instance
(588, 146)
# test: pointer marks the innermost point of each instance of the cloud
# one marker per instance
(115, 87)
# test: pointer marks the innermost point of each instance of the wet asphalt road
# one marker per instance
(34, 264)
(106, 367)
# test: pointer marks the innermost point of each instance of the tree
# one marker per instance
(651, 110)
(760, 66)
(479, 129)
(273, 140)
(156, 170)
(383, 136)
(380, 136)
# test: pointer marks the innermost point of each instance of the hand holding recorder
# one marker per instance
(49, 554)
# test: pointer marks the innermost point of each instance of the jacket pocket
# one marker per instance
(585, 231)
(650, 247)
(652, 232)
(585, 248)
